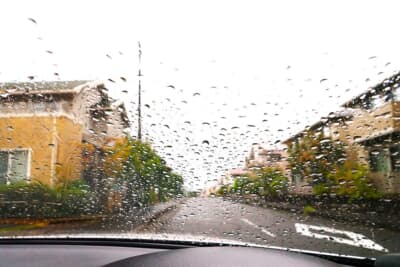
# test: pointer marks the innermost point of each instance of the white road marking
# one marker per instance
(354, 239)
(265, 231)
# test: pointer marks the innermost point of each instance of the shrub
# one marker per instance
(37, 200)
(264, 182)
(273, 181)
(321, 189)
(308, 209)
(223, 190)
(352, 180)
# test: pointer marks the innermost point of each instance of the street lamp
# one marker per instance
(140, 97)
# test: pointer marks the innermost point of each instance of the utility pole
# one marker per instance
(139, 136)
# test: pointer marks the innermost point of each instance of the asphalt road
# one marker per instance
(217, 218)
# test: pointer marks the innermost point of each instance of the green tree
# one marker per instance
(263, 182)
(330, 167)
(313, 158)
(141, 174)
(273, 181)
(242, 185)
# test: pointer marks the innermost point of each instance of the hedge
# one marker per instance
(37, 200)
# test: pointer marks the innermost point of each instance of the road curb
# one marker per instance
(51, 220)
(157, 212)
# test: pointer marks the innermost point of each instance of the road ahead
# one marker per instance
(219, 218)
(216, 218)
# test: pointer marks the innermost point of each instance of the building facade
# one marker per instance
(375, 132)
(369, 124)
(43, 127)
(325, 129)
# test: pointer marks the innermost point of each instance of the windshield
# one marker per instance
(264, 123)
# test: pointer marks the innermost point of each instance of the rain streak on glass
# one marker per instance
(234, 121)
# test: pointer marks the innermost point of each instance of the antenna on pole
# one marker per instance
(139, 136)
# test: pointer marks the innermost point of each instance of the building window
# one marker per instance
(395, 158)
(396, 93)
(380, 161)
(39, 106)
(296, 177)
(326, 131)
(335, 134)
(275, 157)
(14, 165)
(377, 102)
(367, 104)
(389, 96)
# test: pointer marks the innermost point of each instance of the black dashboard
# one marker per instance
(121, 253)
(37, 255)
(116, 253)
(79, 255)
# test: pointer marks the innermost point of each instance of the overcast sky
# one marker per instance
(218, 75)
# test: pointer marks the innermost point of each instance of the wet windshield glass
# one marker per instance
(268, 123)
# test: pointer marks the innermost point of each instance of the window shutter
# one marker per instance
(19, 165)
(3, 166)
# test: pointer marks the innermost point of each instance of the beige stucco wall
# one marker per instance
(115, 124)
(396, 115)
(367, 124)
(389, 184)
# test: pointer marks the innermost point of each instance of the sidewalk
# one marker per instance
(16, 221)
(128, 223)
(157, 211)
(87, 224)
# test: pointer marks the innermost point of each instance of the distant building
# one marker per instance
(44, 125)
(260, 157)
(235, 173)
(226, 179)
(230, 176)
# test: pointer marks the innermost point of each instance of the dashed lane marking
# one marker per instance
(265, 231)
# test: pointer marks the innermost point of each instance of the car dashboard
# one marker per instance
(116, 253)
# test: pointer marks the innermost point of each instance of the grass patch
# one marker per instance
(21, 227)
(309, 210)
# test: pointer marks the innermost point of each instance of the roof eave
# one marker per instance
(379, 86)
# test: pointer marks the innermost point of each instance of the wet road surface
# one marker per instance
(220, 218)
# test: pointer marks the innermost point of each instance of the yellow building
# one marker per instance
(43, 127)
